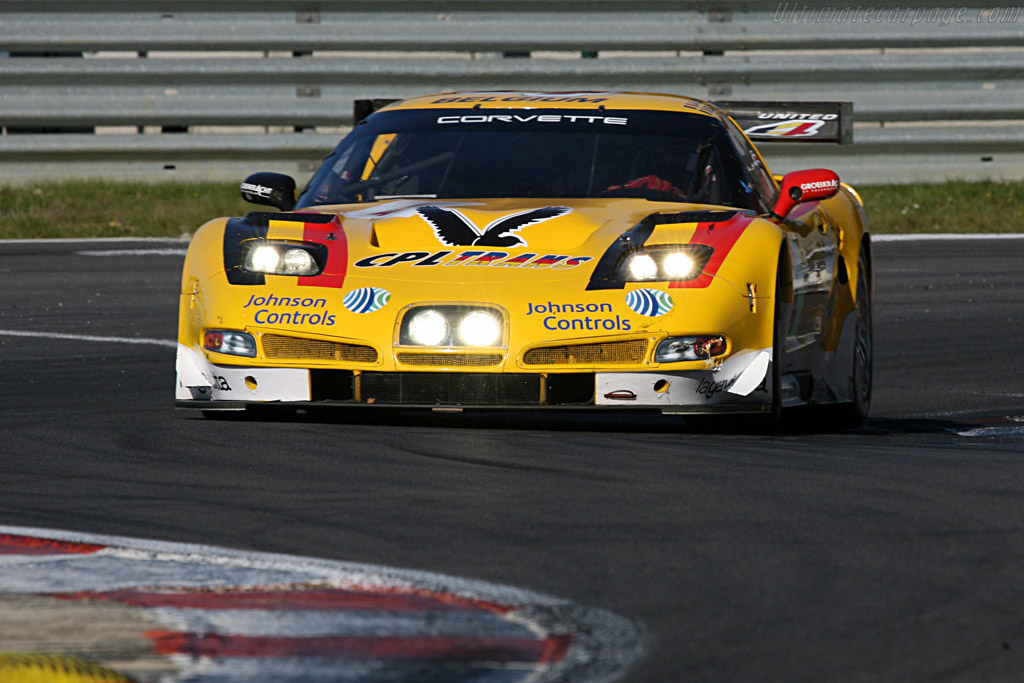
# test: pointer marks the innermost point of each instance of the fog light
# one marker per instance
(428, 328)
(676, 349)
(231, 342)
(480, 328)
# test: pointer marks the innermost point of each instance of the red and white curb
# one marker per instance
(219, 615)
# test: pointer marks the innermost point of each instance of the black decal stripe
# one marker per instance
(691, 217)
(255, 225)
(264, 218)
(237, 230)
(633, 239)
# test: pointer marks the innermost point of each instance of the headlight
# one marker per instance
(480, 328)
(263, 259)
(284, 258)
(297, 262)
(665, 262)
(677, 265)
(428, 328)
(675, 349)
(231, 342)
(454, 325)
(643, 267)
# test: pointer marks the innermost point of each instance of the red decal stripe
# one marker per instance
(317, 599)
(337, 254)
(436, 648)
(294, 599)
(720, 236)
(28, 545)
(802, 128)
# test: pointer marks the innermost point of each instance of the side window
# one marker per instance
(754, 170)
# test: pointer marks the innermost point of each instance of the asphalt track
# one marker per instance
(889, 553)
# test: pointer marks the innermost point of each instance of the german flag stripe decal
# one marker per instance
(333, 236)
(721, 237)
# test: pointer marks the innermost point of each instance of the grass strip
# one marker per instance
(954, 207)
(115, 209)
(175, 209)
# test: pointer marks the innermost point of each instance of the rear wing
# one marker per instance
(793, 121)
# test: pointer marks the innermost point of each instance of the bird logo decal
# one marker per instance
(453, 228)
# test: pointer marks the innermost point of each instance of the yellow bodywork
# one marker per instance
(552, 322)
(540, 301)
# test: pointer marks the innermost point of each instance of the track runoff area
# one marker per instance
(120, 609)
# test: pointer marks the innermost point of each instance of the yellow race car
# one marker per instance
(544, 251)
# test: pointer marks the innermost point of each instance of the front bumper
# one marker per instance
(740, 384)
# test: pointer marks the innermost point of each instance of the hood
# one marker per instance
(506, 240)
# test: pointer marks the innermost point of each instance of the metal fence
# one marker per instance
(186, 89)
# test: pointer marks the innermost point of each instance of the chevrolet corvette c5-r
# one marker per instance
(532, 250)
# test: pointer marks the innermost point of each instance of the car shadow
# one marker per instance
(796, 421)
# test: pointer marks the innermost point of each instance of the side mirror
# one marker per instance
(805, 186)
(271, 189)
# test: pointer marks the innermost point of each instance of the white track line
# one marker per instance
(132, 252)
(89, 337)
(947, 236)
(94, 240)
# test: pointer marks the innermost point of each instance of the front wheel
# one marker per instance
(772, 421)
(854, 414)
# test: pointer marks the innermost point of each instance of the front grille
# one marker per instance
(279, 347)
(604, 353)
(450, 360)
(448, 388)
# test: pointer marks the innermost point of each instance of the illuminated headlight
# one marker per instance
(263, 259)
(480, 328)
(677, 265)
(297, 262)
(643, 267)
(665, 262)
(452, 325)
(428, 328)
(676, 349)
(282, 258)
(231, 342)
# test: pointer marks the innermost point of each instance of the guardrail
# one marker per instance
(138, 88)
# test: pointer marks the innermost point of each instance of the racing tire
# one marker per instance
(853, 414)
(771, 421)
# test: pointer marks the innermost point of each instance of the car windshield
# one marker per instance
(549, 153)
